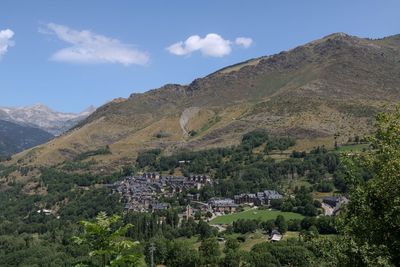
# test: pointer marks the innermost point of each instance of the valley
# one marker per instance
(261, 163)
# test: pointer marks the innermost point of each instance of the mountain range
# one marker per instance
(324, 91)
(42, 117)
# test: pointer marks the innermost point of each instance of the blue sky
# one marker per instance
(72, 54)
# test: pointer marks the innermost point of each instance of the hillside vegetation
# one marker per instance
(325, 91)
(15, 138)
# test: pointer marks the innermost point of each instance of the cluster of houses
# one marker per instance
(222, 205)
(214, 206)
(228, 205)
(141, 193)
(259, 198)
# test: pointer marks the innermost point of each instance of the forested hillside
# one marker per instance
(15, 138)
(42, 229)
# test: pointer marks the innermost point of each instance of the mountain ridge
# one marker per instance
(326, 90)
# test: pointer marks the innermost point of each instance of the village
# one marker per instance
(142, 193)
(148, 192)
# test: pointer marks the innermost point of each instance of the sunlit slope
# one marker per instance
(329, 87)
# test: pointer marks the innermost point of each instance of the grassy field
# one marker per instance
(263, 215)
(353, 148)
(258, 237)
(251, 239)
(298, 182)
(289, 235)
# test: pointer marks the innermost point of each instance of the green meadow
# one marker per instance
(263, 215)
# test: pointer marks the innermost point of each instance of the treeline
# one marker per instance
(178, 253)
(320, 225)
(206, 160)
(166, 224)
(302, 202)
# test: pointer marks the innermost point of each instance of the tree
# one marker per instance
(180, 253)
(254, 139)
(109, 245)
(232, 254)
(128, 170)
(245, 225)
(276, 204)
(204, 230)
(324, 186)
(281, 254)
(280, 222)
(231, 244)
(232, 258)
(371, 221)
(268, 225)
(209, 252)
(160, 252)
(313, 231)
(294, 225)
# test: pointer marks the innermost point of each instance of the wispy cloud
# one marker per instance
(5, 41)
(212, 45)
(244, 41)
(88, 47)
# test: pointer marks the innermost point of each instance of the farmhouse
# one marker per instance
(331, 201)
(336, 203)
(45, 211)
(203, 179)
(275, 236)
(258, 199)
(225, 205)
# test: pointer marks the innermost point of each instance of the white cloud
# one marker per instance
(5, 41)
(89, 47)
(244, 41)
(212, 45)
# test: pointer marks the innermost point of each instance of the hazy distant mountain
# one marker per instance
(40, 116)
(15, 138)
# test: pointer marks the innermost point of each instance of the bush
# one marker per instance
(245, 226)
(324, 186)
(276, 204)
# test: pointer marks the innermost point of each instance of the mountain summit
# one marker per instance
(42, 117)
(328, 89)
